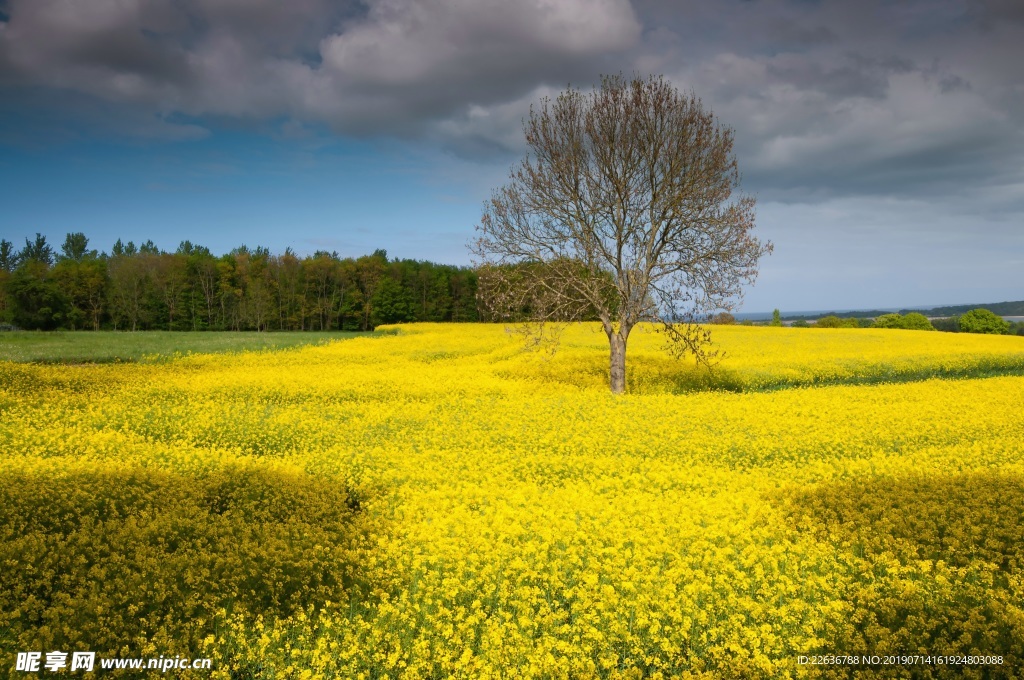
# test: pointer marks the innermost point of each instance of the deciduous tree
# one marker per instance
(983, 321)
(627, 203)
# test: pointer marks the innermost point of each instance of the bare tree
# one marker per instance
(623, 210)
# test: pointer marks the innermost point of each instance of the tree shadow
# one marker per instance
(926, 564)
(120, 561)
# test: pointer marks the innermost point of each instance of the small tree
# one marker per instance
(776, 318)
(983, 321)
(626, 205)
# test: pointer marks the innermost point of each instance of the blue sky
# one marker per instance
(232, 188)
(884, 141)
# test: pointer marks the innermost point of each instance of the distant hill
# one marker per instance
(1000, 308)
(842, 315)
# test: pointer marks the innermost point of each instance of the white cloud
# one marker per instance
(402, 42)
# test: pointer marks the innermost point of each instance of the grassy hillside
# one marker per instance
(113, 346)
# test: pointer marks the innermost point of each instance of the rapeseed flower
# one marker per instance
(440, 503)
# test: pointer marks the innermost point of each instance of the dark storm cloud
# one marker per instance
(122, 52)
(908, 99)
(383, 66)
(828, 98)
(36, 118)
(990, 13)
(863, 77)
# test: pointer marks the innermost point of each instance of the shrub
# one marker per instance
(915, 321)
(801, 323)
(888, 321)
(723, 319)
(949, 324)
(830, 321)
(983, 321)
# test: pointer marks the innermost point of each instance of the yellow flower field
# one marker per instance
(440, 503)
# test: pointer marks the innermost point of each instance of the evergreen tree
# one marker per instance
(8, 263)
(38, 250)
(75, 247)
(8, 258)
(37, 302)
(392, 303)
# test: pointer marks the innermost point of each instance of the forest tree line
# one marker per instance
(145, 288)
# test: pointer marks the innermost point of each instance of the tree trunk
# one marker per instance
(618, 363)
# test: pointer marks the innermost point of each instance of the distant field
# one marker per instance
(100, 347)
(757, 359)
